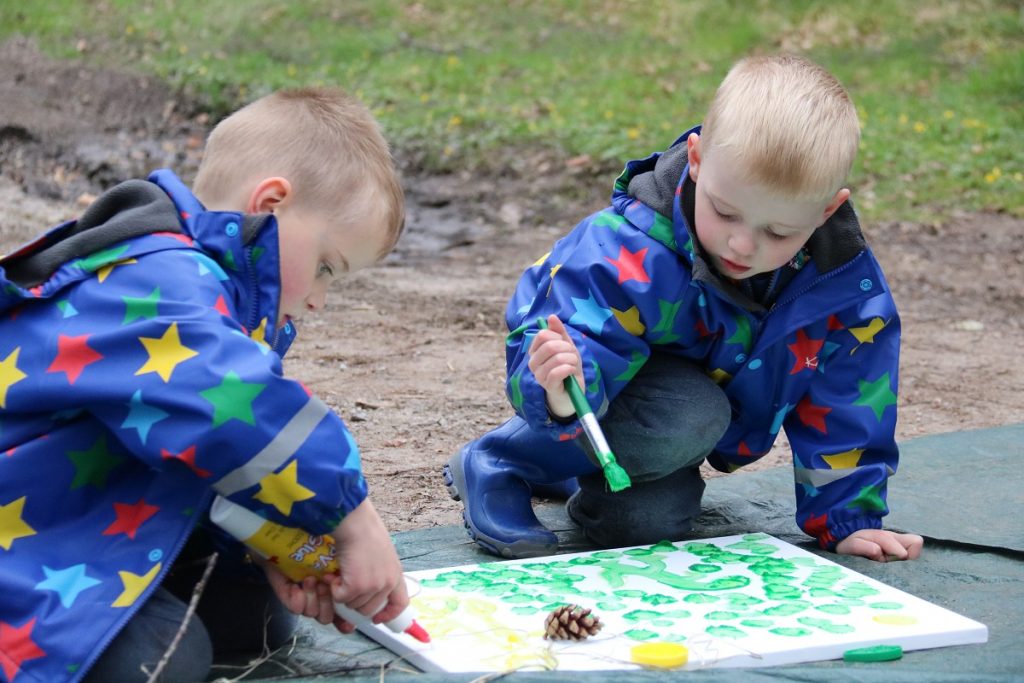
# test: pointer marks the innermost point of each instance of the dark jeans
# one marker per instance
(237, 613)
(660, 428)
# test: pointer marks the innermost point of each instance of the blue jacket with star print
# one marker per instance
(821, 362)
(140, 373)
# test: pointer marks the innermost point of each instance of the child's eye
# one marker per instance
(725, 216)
(325, 269)
(774, 235)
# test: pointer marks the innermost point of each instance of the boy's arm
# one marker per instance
(842, 431)
(596, 280)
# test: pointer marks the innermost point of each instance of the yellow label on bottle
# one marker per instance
(296, 553)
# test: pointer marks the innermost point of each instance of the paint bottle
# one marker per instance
(298, 554)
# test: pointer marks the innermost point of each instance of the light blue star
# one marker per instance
(779, 417)
(827, 350)
(68, 583)
(590, 314)
(67, 309)
(809, 489)
(208, 265)
(142, 417)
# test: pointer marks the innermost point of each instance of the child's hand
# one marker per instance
(881, 545)
(553, 357)
(311, 598)
(370, 580)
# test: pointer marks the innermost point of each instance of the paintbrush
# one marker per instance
(613, 472)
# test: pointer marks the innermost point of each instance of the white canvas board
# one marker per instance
(736, 601)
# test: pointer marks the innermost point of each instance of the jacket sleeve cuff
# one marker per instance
(835, 533)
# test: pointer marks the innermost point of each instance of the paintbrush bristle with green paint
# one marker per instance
(613, 472)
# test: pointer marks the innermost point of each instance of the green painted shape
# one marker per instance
(700, 598)
(641, 615)
(525, 610)
(659, 599)
(629, 593)
(725, 631)
(609, 606)
(787, 608)
(722, 615)
(833, 609)
(757, 623)
(791, 631)
(886, 605)
(641, 634)
(704, 568)
(825, 625)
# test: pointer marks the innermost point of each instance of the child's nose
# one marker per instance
(740, 241)
(316, 300)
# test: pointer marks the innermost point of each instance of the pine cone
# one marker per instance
(571, 622)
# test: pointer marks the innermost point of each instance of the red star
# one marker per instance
(818, 527)
(16, 646)
(812, 415)
(73, 354)
(806, 352)
(177, 235)
(222, 307)
(187, 456)
(835, 323)
(630, 265)
(703, 330)
(130, 518)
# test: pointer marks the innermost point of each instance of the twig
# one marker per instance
(197, 592)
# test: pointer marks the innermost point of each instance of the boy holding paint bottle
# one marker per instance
(727, 293)
(140, 375)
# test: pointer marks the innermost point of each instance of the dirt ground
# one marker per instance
(410, 353)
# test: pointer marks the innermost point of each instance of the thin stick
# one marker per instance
(197, 592)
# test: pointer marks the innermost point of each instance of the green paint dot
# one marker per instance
(791, 631)
(700, 598)
(821, 593)
(609, 606)
(725, 632)
(833, 609)
(664, 547)
(640, 634)
(525, 610)
(705, 568)
(721, 615)
(434, 583)
(518, 598)
(584, 561)
(678, 614)
(825, 625)
(787, 608)
(740, 601)
(638, 552)
(659, 599)
(664, 623)
(757, 623)
(629, 594)
(641, 615)
(886, 605)
(782, 592)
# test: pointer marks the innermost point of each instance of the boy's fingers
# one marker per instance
(397, 601)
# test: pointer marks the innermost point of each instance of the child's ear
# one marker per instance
(693, 155)
(840, 197)
(269, 194)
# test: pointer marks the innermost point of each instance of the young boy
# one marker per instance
(726, 294)
(140, 374)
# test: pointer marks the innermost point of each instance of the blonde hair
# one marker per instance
(324, 141)
(788, 123)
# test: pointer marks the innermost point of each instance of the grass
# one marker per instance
(477, 84)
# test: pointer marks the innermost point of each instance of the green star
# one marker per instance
(93, 466)
(141, 307)
(635, 363)
(868, 499)
(668, 310)
(876, 394)
(663, 232)
(94, 262)
(742, 335)
(233, 399)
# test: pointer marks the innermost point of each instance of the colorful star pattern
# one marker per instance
(141, 308)
(165, 353)
(806, 351)
(187, 456)
(877, 395)
(130, 518)
(67, 583)
(233, 398)
(73, 355)
(94, 465)
(869, 498)
(17, 646)
(668, 311)
(846, 460)
(812, 415)
(134, 586)
(141, 417)
(589, 314)
(9, 375)
(630, 265)
(282, 489)
(12, 524)
(629, 319)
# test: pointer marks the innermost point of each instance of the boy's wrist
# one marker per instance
(560, 407)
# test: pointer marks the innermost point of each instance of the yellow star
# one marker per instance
(9, 375)
(260, 333)
(134, 586)
(630, 320)
(283, 489)
(842, 461)
(719, 376)
(866, 334)
(12, 526)
(554, 271)
(104, 272)
(165, 353)
(541, 260)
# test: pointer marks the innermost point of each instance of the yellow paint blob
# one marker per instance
(661, 655)
(895, 619)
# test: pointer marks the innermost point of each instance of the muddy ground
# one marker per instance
(410, 353)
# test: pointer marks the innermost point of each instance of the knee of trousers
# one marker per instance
(671, 415)
(645, 513)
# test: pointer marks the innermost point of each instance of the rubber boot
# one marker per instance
(492, 476)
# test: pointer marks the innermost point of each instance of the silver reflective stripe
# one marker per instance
(818, 478)
(278, 451)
